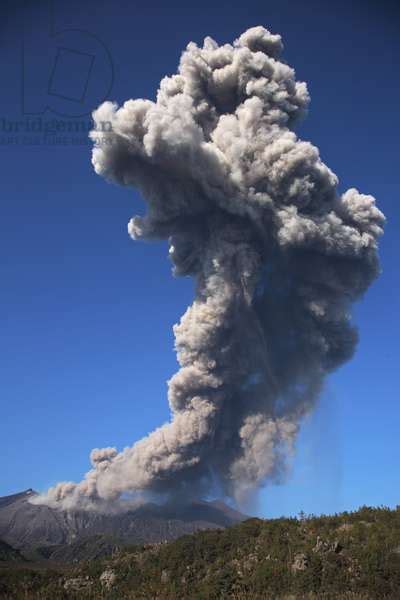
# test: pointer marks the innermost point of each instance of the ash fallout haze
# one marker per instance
(252, 213)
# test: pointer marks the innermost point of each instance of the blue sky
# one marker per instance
(86, 341)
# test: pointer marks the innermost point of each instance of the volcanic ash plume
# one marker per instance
(253, 214)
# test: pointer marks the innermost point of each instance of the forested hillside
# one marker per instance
(350, 556)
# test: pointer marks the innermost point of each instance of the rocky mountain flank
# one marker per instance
(32, 528)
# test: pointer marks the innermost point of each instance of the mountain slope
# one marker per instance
(27, 526)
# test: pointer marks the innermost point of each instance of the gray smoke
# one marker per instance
(254, 215)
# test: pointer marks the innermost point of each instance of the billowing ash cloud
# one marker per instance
(254, 215)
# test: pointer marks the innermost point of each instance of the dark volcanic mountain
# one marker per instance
(29, 527)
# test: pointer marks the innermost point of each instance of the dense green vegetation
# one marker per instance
(354, 556)
(8, 553)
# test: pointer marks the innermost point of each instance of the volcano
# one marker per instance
(44, 532)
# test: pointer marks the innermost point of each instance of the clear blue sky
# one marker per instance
(86, 343)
